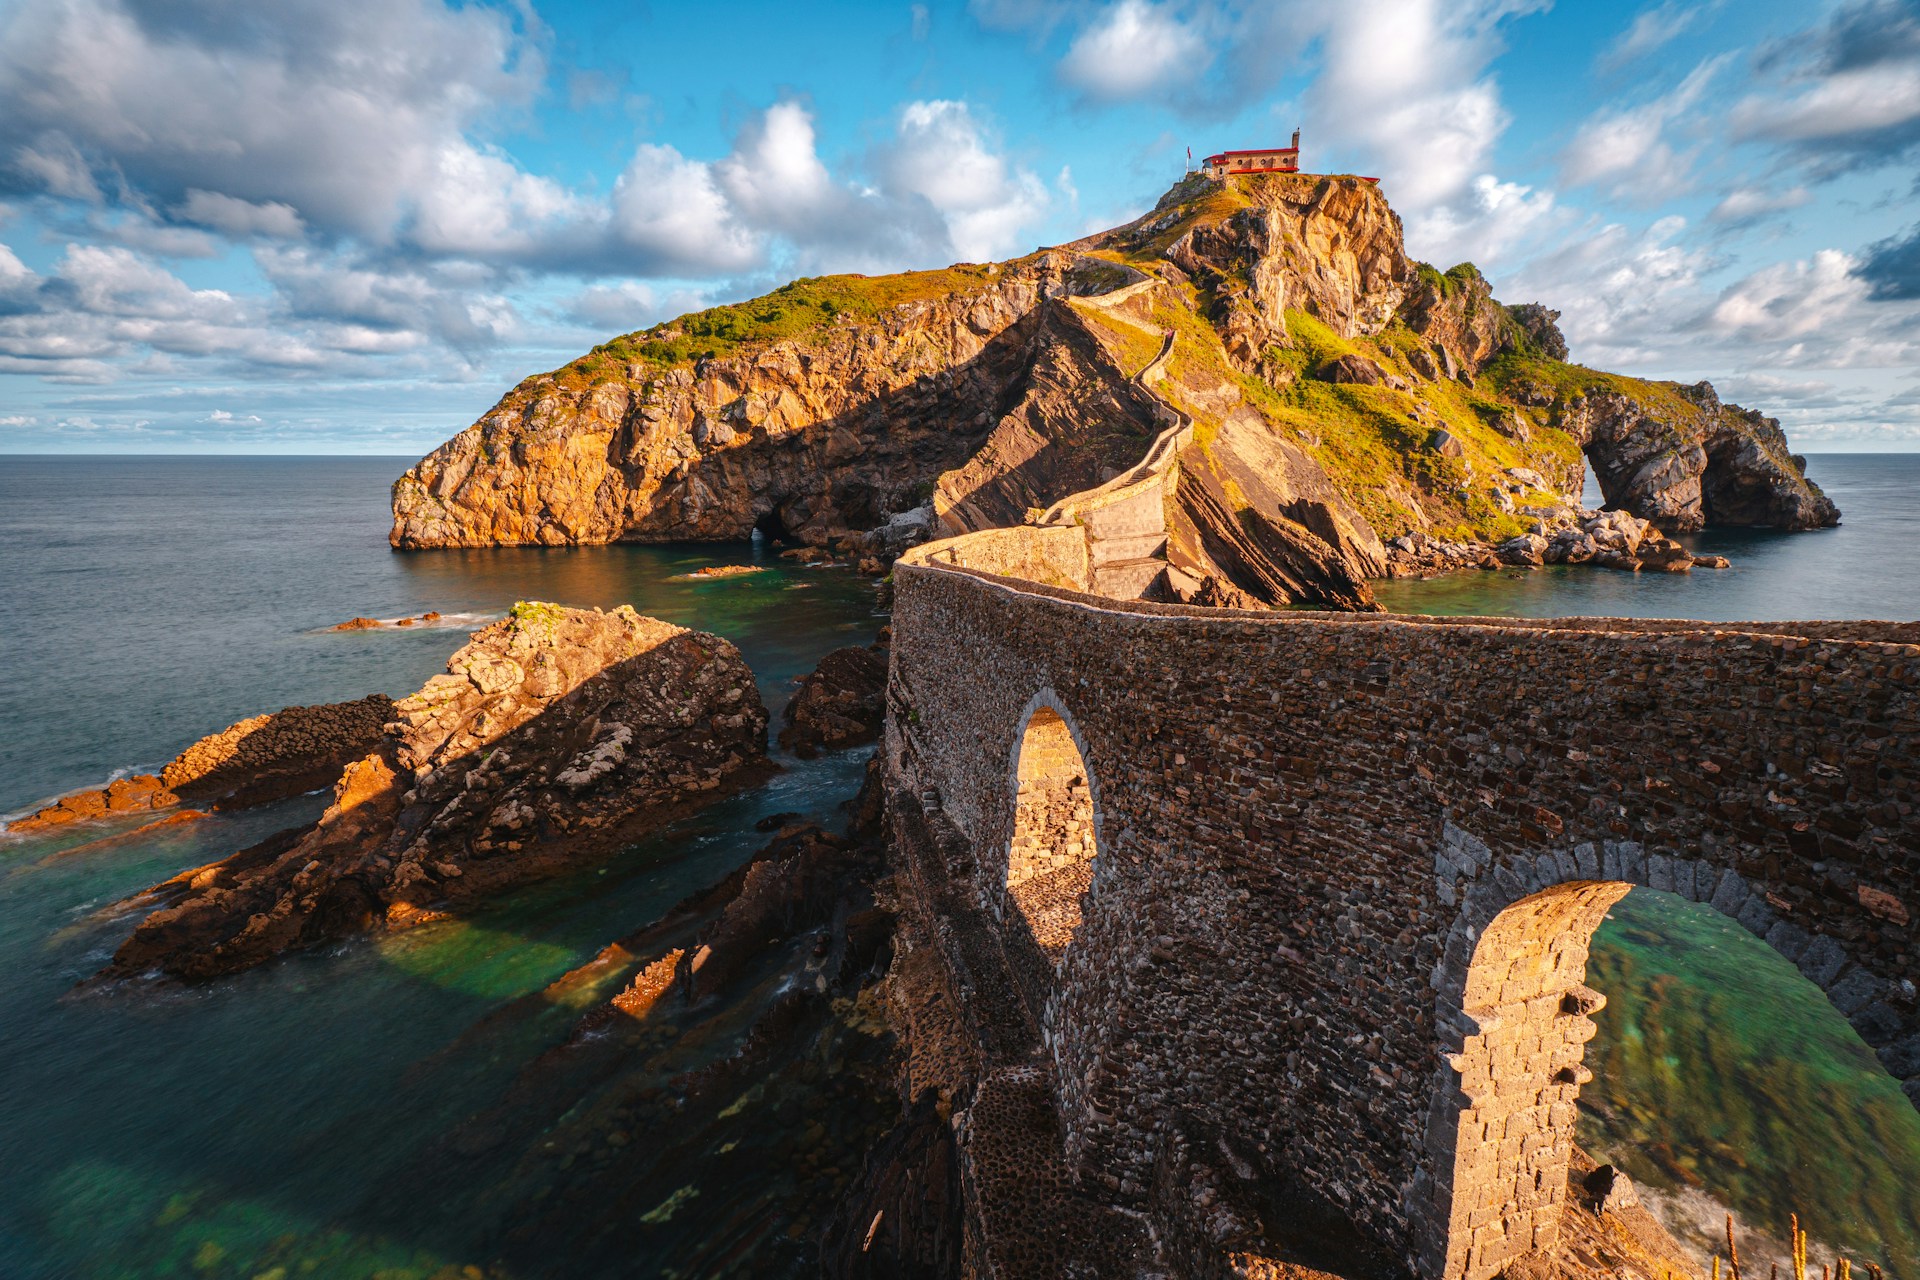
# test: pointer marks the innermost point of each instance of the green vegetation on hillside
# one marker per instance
(794, 310)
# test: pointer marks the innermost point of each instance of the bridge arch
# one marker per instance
(1053, 845)
(1513, 1016)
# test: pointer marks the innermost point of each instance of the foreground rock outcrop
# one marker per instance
(256, 761)
(556, 733)
(1240, 397)
(842, 703)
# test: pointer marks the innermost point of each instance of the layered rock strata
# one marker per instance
(1239, 396)
(555, 733)
(256, 761)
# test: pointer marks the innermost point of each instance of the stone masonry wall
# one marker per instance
(1310, 827)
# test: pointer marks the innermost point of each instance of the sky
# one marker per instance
(347, 226)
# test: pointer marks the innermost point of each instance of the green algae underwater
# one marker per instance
(1722, 1074)
(394, 1107)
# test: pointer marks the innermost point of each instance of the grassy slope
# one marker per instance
(797, 309)
(1368, 438)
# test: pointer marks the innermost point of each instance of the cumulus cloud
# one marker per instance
(270, 107)
(101, 310)
(1133, 48)
(236, 217)
(940, 155)
(1494, 223)
(1789, 302)
(1847, 93)
(1404, 84)
(1619, 289)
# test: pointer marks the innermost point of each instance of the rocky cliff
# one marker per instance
(1241, 396)
(555, 733)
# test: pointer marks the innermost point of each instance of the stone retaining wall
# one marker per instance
(1310, 829)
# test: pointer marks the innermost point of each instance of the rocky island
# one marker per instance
(1250, 396)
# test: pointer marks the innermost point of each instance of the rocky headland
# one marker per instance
(1246, 397)
(554, 734)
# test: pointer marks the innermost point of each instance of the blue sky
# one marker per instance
(349, 225)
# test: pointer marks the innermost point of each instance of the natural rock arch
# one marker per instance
(1054, 841)
(1514, 1016)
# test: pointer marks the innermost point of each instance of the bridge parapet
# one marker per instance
(1321, 836)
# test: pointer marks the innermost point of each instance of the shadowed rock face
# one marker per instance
(555, 734)
(255, 761)
(842, 703)
(1686, 461)
(1266, 331)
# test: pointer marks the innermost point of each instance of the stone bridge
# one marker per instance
(1309, 895)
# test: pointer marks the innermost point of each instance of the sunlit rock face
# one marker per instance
(1244, 396)
(555, 734)
(1685, 461)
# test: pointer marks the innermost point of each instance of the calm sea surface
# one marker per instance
(270, 1120)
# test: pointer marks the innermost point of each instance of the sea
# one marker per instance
(266, 1126)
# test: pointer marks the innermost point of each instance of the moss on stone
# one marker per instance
(531, 615)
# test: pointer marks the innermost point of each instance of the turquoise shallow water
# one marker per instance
(276, 1119)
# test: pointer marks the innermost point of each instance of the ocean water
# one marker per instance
(1865, 568)
(283, 1122)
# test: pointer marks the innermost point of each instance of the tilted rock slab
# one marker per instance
(555, 734)
(254, 761)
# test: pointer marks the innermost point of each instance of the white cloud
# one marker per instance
(1846, 93)
(1133, 48)
(1404, 85)
(941, 155)
(1652, 29)
(671, 211)
(1629, 151)
(1856, 100)
(237, 217)
(1786, 304)
(629, 305)
(1745, 205)
(1621, 292)
(343, 110)
(774, 177)
(1494, 223)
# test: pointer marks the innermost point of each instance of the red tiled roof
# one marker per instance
(1261, 151)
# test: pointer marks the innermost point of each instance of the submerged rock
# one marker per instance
(555, 734)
